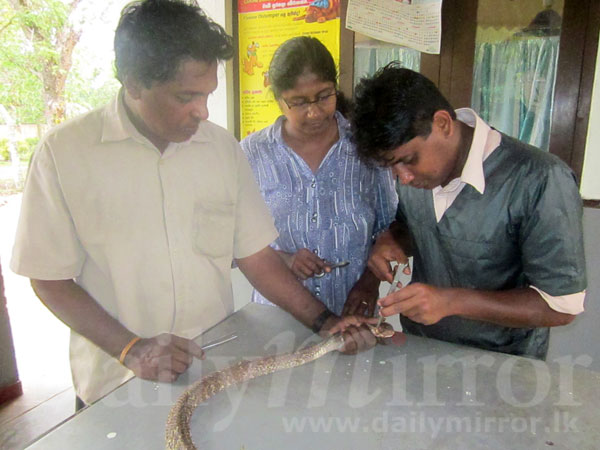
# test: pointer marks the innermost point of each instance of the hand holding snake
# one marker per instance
(178, 434)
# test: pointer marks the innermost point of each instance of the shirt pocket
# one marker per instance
(213, 228)
(467, 249)
(491, 265)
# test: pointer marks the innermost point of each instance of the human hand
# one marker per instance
(163, 357)
(305, 264)
(362, 298)
(357, 337)
(419, 302)
(384, 251)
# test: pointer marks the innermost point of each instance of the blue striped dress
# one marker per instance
(334, 212)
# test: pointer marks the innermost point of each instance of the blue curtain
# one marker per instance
(513, 86)
(367, 59)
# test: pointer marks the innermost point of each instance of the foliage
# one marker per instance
(42, 77)
(19, 88)
(86, 91)
(55, 62)
(25, 149)
(4, 153)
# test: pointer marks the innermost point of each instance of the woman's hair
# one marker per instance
(297, 56)
(154, 37)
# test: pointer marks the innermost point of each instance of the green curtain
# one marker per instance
(513, 86)
(367, 59)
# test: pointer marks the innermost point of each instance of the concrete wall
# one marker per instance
(217, 101)
(581, 337)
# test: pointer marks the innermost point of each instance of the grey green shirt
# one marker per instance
(525, 229)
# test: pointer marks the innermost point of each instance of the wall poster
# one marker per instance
(262, 27)
(411, 23)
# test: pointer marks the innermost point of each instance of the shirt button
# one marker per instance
(318, 294)
(313, 184)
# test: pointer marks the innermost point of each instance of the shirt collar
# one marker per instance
(117, 126)
(485, 141)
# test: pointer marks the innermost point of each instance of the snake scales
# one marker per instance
(178, 434)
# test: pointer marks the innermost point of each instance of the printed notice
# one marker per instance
(263, 26)
(411, 23)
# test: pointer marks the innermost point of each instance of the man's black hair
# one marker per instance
(154, 37)
(392, 107)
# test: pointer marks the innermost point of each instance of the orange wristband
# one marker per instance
(127, 348)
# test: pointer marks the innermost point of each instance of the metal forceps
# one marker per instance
(333, 266)
(394, 286)
(219, 341)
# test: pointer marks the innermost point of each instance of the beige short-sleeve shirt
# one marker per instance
(150, 236)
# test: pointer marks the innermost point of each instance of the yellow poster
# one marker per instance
(263, 26)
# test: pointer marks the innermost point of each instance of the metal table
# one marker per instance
(424, 394)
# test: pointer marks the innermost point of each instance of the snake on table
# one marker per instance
(178, 433)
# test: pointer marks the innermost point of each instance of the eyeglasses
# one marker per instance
(303, 103)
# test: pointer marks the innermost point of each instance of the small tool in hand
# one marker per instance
(219, 341)
(394, 287)
(338, 265)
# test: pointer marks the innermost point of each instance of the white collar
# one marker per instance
(485, 141)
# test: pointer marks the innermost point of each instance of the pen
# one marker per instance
(219, 341)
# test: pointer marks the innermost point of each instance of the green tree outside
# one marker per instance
(56, 62)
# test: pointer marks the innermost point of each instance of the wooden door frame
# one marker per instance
(448, 70)
(575, 72)
(574, 81)
(346, 76)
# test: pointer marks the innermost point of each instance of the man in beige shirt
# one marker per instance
(133, 213)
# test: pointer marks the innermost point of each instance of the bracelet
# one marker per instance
(320, 320)
(127, 348)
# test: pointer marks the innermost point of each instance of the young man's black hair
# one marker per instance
(391, 108)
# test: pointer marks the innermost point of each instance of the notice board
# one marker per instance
(262, 27)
